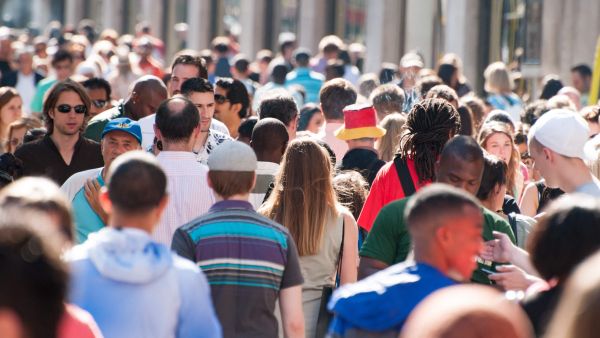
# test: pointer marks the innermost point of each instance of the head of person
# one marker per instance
(63, 64)
(136, 186)
(10, 108)
(311, 118)
(445, 225)
(24, 57)
(334, 96)
(147, 93)
(477, 107)
(232, 179)
(568, 231)
(351, 189)
(449, 74)
(303, 179)
(334, 69)
(461, 164)
(66, 108)
(498, 79)
(497, 140)
(551, 84)
(17, 130)
(330, 46)
(118, 137)
(388, 144)
(429, 125)
(556, 143)
(269, 139)
(581, 77)
(467, 311)
(427, 82)
(281, 106)
(34, 281)
(388, 72)
(302, 57)
(201, 92)
(493, 182)
(387, 99)
(185, 67)
(286, 48)
(278, 74)
(500, 116)
(42, 196)
(240, 66)
(410, 65)
(99, 91)
(245, 129)
(177, 122)
(360, 127)
(367, 83)
(466, 120)
(591, 114)
(573, 94)
(231, 100)
(443, 92)
(579, 307)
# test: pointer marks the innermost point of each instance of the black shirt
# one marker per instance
(363, 160)
(42, 158)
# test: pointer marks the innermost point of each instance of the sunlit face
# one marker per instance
(315, 123)
(462, 174)
(205, 102)
(11, 111)
(543, 164)
(463, 242)
(499, 144)
(100, 101)
(69, 123)
(116, 143)
(180, 73)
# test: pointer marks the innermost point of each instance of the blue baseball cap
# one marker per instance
(126, 125)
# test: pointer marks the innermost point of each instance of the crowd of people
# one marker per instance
(290, 194)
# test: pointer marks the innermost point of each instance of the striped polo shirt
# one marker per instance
(247, 259)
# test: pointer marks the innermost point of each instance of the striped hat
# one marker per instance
(360, 121)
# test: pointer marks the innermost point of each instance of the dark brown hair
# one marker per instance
(335, 95)
(230, 183)
(51, 98)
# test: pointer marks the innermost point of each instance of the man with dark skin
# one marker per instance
(461, 166)
(147, 93)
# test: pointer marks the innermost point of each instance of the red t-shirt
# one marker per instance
(386, 188)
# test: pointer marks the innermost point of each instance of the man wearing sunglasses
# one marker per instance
(63, 151)
(99, 91)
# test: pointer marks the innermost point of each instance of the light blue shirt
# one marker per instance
(86, 219)
(311, 81)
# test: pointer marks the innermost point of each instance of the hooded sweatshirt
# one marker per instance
(135, 287)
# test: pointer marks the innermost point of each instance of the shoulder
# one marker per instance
(30, 147)
(105, 116)
(76, 181)
(89, 142)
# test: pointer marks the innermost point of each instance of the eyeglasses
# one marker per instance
(99, 103)
(65, 108)
(220, 99)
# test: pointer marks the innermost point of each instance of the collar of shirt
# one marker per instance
(231, 204)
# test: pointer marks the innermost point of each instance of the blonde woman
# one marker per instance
(304, 201)
(497, 140)
(498, 85)
(387, 145)
(17, 131)
(10, 111)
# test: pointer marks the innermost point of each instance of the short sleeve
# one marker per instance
(292, 275)
(389, 237)
(377, 196)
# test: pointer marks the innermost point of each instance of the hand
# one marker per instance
(499, 249)
(510, 277)
(92, 193)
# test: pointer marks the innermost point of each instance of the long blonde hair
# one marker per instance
(388, 144)
(489, 129)
(303, 197)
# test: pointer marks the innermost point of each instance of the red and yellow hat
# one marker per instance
(360, 121)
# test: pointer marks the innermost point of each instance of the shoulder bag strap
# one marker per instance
(404, 176)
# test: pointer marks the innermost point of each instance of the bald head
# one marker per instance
(467, 311)
(269, 139)
(462, 147)
(176, 119)
(461, 164)
(146, 94)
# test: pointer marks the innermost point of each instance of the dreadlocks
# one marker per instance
(429, 125)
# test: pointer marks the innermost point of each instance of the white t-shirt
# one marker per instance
(26, 88)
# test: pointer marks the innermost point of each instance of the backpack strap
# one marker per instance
(406, 181)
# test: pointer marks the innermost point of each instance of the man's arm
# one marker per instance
(369, 266)
(183, 245)
(292, 315)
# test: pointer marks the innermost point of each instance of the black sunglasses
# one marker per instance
(220, 99)
(99, 103)
(65, 108)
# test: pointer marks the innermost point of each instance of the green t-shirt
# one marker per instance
(96, 125)
(389, 240)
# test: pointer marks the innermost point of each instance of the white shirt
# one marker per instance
(147, 126)
(214, 139)
(264, 171)
(189, 194)
(338, 146)
(74, 183)
(26, 88)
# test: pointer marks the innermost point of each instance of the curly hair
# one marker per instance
(429, 125)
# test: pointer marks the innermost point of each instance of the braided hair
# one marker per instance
(429, 125)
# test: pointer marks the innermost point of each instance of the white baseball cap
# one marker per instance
(562, 131)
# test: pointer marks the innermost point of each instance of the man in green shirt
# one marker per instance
(388, 243)
(147, 93)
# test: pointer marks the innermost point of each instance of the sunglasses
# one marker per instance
(65, 108)
(99, 103)
(220, 99)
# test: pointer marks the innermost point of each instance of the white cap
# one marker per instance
(562, 131)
